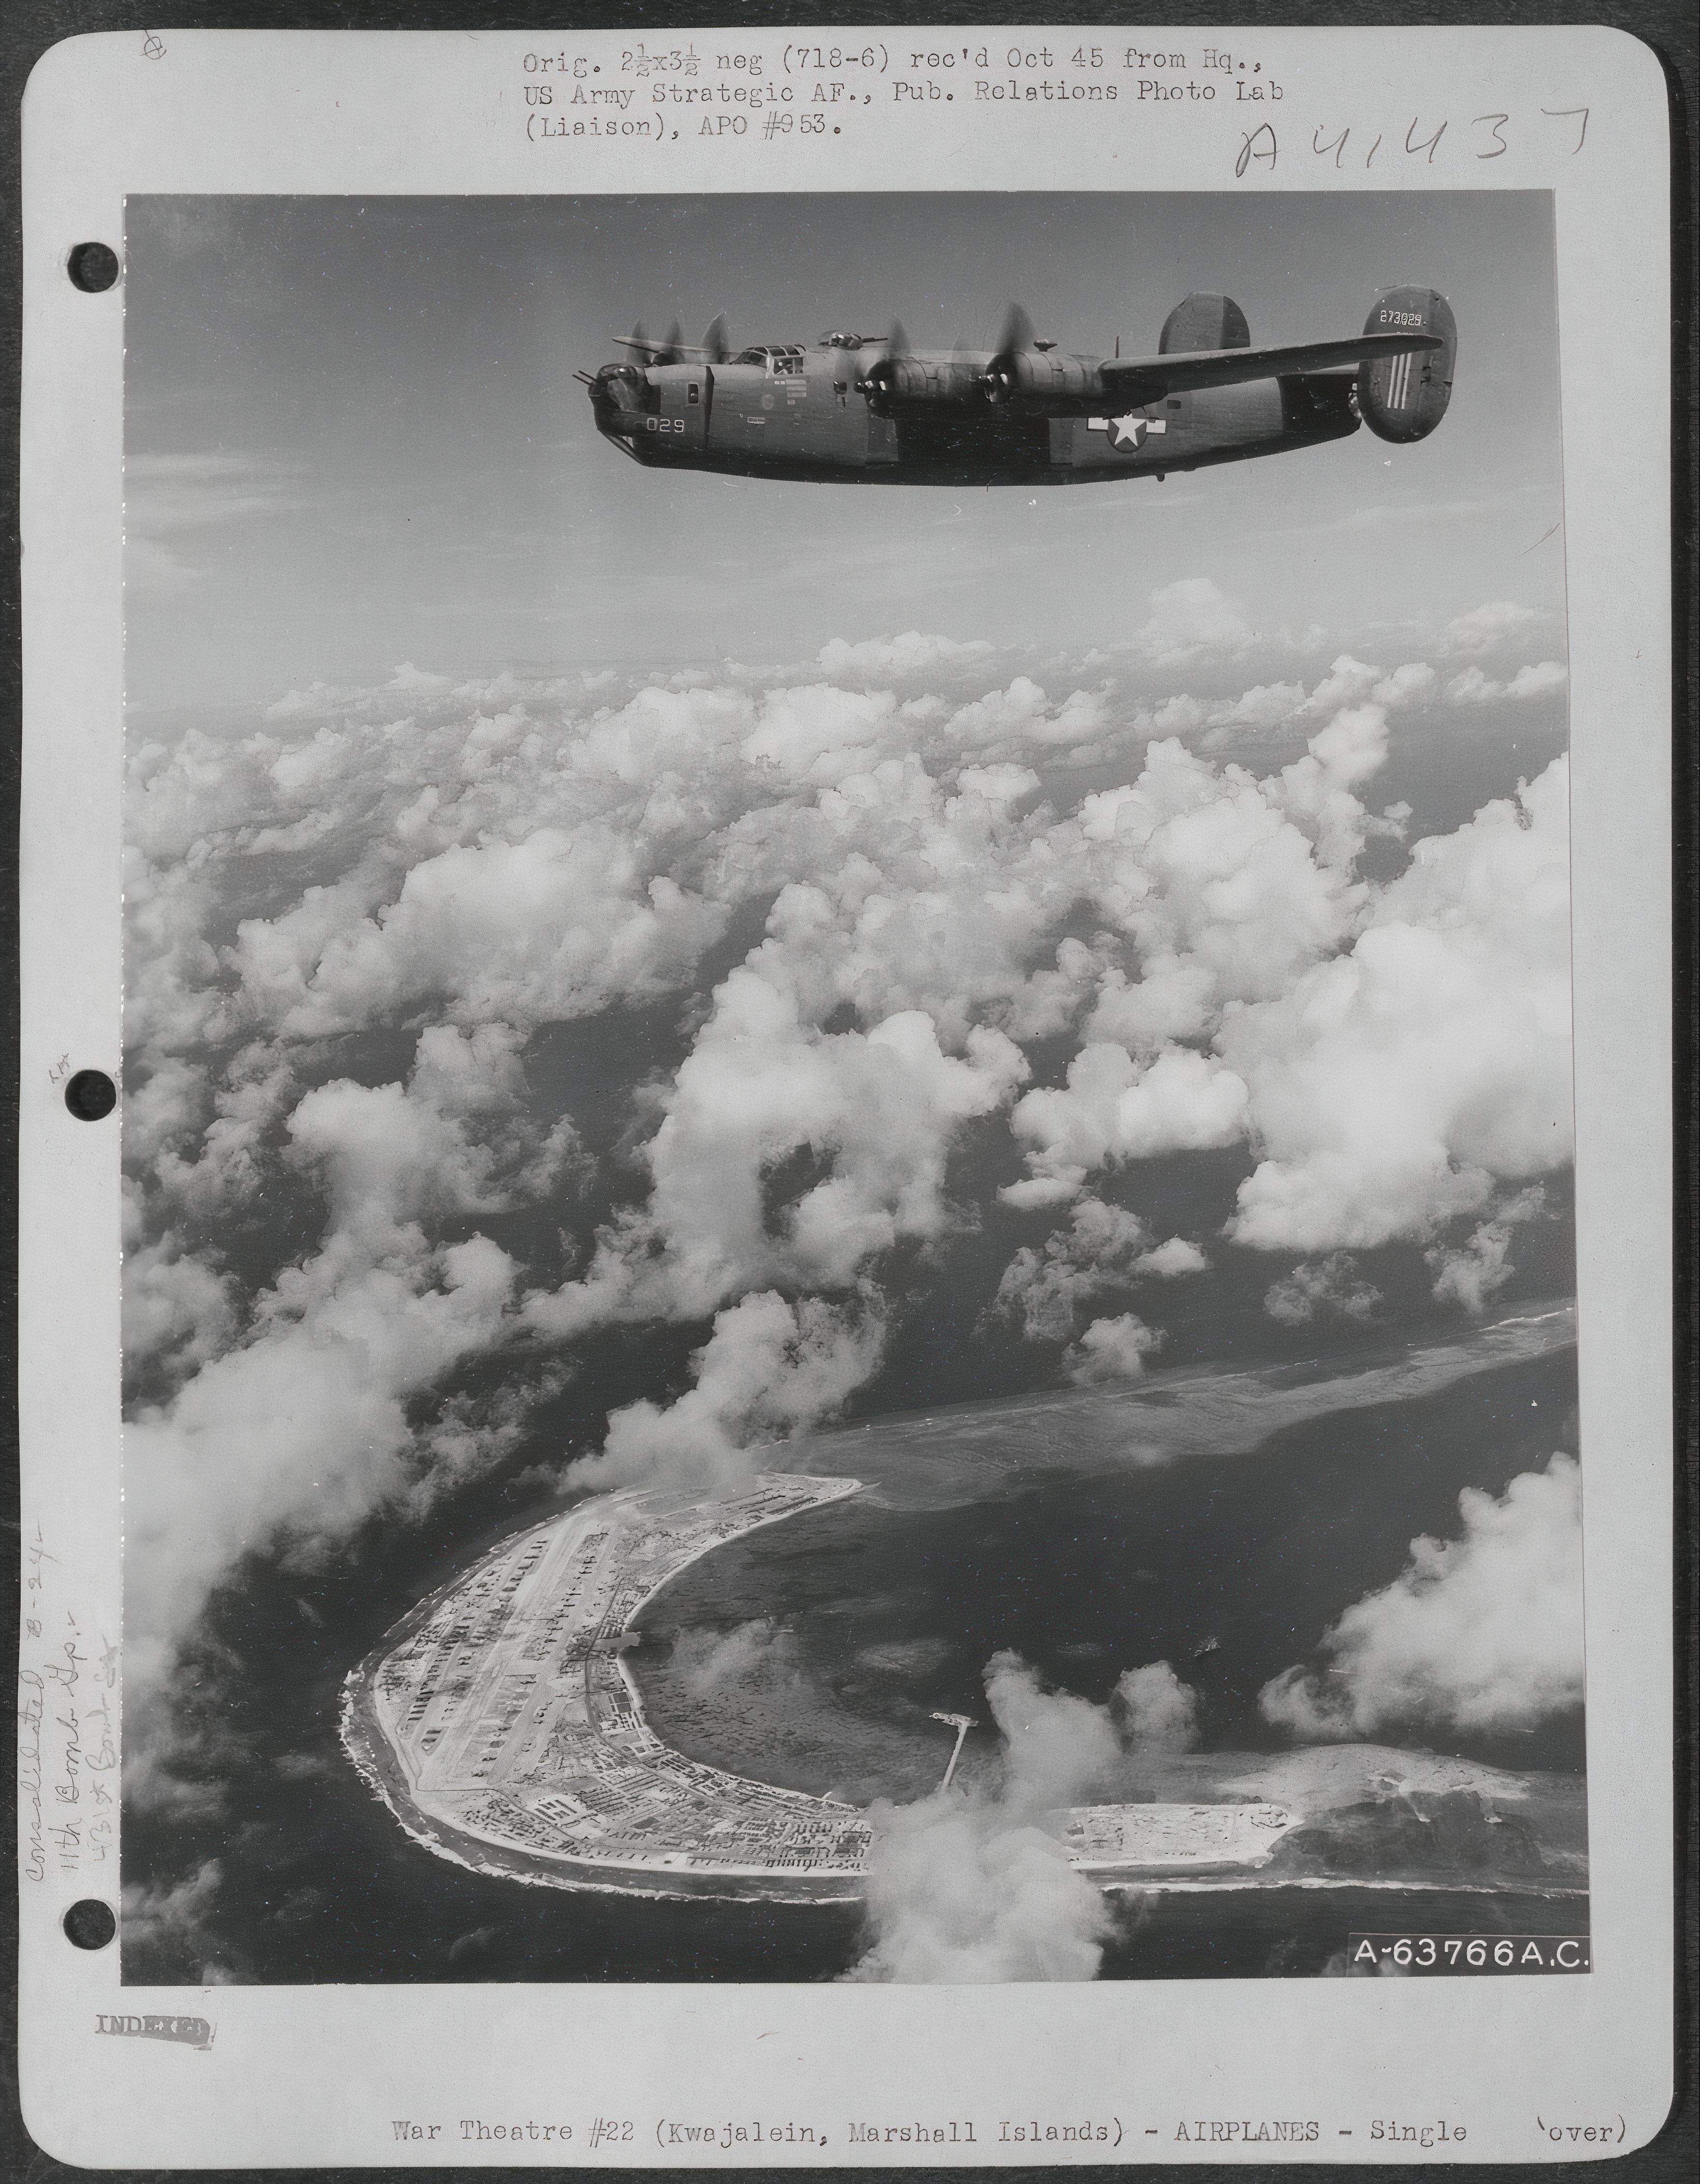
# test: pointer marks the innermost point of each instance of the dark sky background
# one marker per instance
(353, 436)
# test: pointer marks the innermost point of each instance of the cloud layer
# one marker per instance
(913, 902)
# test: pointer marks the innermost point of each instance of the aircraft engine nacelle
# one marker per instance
(1402, 398)
(905, 382)
(1046, 382)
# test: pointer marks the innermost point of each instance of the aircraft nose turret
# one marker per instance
(621, 397)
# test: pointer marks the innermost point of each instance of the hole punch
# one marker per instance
(90, 1095)
(92, 266)
(90, 1924)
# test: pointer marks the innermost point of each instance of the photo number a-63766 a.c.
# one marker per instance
(1469, 1954)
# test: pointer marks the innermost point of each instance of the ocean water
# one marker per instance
(1228, 1566)
(892, 1604)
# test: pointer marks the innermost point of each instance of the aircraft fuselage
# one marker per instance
(801, 415)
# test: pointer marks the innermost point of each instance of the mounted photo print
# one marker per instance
(843, 1297)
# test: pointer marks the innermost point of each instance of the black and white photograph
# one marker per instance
(848, 1232)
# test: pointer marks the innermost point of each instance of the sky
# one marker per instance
(353, 437)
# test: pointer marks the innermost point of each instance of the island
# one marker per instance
(500, 1724)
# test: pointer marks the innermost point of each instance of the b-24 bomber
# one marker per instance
(862, 410)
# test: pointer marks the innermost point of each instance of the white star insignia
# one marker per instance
(1128, 431)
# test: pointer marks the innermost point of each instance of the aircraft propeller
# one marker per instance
(716, 342)
(877, 379)
(674, 352)
(1015, 335)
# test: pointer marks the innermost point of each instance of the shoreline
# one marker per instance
(373, 1752)
(817, 1849)
(602, 1802)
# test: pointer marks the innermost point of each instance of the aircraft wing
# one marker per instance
(1146, 378)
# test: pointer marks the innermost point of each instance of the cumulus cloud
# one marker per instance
(819, 732)
(769, 1369)
(1044, 1288)
(1009, 722)
(1484, 627)
(496, 856)
(1265, 705)
(1348, 682)
(789, 1154)
(1352, 683)
(294, 1427)
(1328, 1288)
(1540, 676)
(959, 1894)
(1114, 1110)
(1173, 1259)
(555, 925)
(1394, 1085)
(1057, 1747)
(219, 1167)
(1405, 685)
(1226, 884)
(390, 1156)
(1111, 1350)
(759, 1086)
(1479, 1634)
(1188, 618)
(168, 1933)
(1161, 1712)
(760, 1650)
(898, 658)
(1471, 687)
(350, 921)
(179, 1310)
(972, 1886)
(455, 1139)
(292, 1439)
(1470, 1274)
(1393, 1052)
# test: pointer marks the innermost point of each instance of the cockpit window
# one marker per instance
(780, 362)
